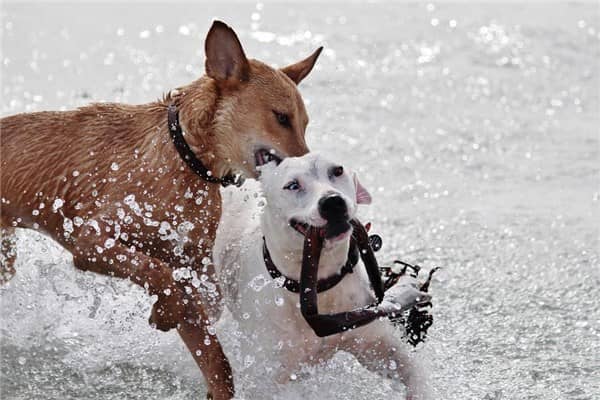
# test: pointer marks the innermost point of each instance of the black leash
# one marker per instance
(418, 319)
(323, 284)
(188, 156)
(355, 252)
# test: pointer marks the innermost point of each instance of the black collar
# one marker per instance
(188, 156)
(322, 284)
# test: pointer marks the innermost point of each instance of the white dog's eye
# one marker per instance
(292, 185)
(337, 171)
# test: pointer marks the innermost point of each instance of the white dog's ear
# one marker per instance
(362, 195)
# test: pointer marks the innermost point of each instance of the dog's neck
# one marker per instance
(198, 105)
(286, 247)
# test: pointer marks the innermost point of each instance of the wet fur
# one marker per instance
(281, 338)
(114, 220)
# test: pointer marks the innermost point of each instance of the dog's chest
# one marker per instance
(272, 314)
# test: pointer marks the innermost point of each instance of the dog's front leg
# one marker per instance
(378, 348)
(209, 357)
(200, 335)
(93, 250)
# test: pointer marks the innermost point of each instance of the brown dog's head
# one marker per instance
(258, 114)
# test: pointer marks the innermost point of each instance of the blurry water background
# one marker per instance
(476, 127)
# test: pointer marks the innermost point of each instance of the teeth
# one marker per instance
(264, 157)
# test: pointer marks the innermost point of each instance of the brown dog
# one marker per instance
(109, 184)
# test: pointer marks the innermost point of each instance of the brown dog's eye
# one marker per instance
(337, 171)
(283, 119)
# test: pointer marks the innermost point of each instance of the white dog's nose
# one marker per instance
(332, 207)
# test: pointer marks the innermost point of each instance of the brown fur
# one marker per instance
(105, 179)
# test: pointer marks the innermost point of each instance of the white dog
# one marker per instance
(299, 193)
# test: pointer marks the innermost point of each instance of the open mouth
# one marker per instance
(301, 227)
(264, 156)
(331, 231)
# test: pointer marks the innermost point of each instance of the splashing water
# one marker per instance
(474, 126)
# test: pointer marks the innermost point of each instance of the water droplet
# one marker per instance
(67, 226)
(248, 361)
(58, 203)
(184, 30)
(258, 283)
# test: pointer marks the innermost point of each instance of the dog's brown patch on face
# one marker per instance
(248, 119)
(242, 116)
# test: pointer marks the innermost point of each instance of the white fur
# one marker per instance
(271, 314)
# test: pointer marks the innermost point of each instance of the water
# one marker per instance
(474, 125)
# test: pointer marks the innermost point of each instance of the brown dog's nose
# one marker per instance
(333, 207)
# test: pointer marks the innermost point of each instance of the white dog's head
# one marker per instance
(310, 191)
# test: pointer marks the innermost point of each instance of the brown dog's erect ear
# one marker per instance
(225, 58)
(298, 71)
